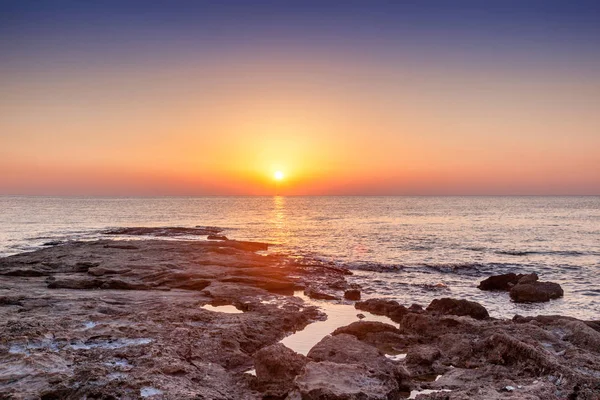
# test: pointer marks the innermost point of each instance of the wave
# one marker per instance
(464, 268)
(573, 253)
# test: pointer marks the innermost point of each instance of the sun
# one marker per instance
(278, 175)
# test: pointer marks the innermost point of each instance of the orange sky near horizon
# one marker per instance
(331, 124)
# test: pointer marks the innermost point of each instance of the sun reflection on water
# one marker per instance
(279, 221)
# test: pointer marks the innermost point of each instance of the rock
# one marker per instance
(162, 231)
(529, 278)
(500, 282)
(120, 284)
(318, 294)
(331, 381)
(535, 292)
(100, 271)
(360, 316)
(420, 359)
(276, 367)
(458, 307)
(416, 308)
(345, 349)
(361, 329)
(74, 323)
(422, 355)
(73, 283)
(217, 237)
(352, 294)
(385, 307)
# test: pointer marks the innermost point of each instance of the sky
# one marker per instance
(344, 97)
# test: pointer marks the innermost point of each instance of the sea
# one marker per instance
(411, 249)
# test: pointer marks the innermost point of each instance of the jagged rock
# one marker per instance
(390, 308)
(345, 349)
(500, 282)
(276, 367)
(331, 381)
(458, 307)
(420, 359)
(352, 294)
(535, 292)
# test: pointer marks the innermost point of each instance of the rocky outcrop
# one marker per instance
(420, 359)
(458, 307)
(118, 319)
(361, 329)
(535, 291)
(389, 308)
(352, 294)
(276, 367)
(523, 288)
(332, 381)
(500, 282)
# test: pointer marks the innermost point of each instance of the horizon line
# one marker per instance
(293, 195)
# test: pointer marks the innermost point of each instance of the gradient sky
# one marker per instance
(350, 97)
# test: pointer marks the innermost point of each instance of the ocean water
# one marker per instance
(412, 249)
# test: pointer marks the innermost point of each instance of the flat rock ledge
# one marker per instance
(124, 319)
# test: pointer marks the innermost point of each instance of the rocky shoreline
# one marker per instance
(119, 319)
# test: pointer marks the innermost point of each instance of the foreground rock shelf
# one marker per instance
(128, 319)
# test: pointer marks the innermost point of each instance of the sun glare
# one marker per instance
(278, 175)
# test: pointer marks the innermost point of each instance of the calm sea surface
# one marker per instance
(429, 246)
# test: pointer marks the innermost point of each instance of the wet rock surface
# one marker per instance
(276, 368)
(126, 320)
(458, 307)
(523, 288)
(535, 292)
(110, 319)
(390, 308)
(500, 282)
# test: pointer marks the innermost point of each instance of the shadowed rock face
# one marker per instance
(389, 308)
(108, 319)
(523, 288)
(276, 367)
(458, 307)
(500, 282)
